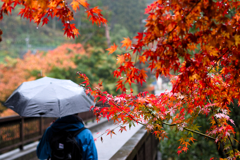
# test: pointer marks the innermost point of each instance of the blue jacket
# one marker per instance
(69, 123)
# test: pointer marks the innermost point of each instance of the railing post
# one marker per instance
(21, 133)
(41, 125)
(92, 115)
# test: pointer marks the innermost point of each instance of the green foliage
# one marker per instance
(96, 65)
(91, 34)
(128, 14)
(199, 150)
(20, 35)
(235, 115)
(124, 20)
(118, 33)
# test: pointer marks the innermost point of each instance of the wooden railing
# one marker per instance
(141, 146)
(16, 131)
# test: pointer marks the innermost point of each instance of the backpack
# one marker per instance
(65, 147)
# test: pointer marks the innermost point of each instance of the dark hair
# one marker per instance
(76, 115)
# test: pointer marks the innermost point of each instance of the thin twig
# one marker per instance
(183, 127)
(129, 115)
(217, 61)
(218, 125)
(199, 133)
(107, 131)
(190, 130)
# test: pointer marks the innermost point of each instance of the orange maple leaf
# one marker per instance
(52, 4)
(186, 143)
(185, 149)
(76, 32)
(143, 74)
(83, 3)
(237, 17)
(75, 5)
(126, 43)
(142, 59)
(181, 140)
(112, 48)
(120, 59)
(192, 139)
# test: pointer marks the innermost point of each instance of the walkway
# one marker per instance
(110, 146)
(106, 149)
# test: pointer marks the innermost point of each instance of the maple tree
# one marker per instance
(195, 42)
(0, 35)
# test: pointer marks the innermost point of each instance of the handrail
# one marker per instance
(16, 131)
(142, 145)
(9, 118)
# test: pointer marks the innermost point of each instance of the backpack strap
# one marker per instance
(79, 131)
(74, 135)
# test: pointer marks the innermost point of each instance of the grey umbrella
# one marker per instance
(49, 97)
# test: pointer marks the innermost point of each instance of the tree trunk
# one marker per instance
(107, 35)
(54, 23)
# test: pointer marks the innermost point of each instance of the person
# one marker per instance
(68, 123)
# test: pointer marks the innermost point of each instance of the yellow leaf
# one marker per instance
(193, 77)
(212, 51)
(237, 39)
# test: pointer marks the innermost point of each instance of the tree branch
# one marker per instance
(190, 130)
(218, 125)
(199, 133)
(129, 115)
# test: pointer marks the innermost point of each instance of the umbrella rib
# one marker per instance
(58, 100)
(32, 98)
(66, 87)
(86, 97)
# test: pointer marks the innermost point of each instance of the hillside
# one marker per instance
(19, 35)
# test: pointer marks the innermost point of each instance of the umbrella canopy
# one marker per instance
(49, 97)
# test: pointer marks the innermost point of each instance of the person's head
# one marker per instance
(79, 118)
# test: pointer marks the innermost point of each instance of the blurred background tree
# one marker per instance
(19, 35)
(200, 150)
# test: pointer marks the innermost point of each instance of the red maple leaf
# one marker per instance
(45, 21)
